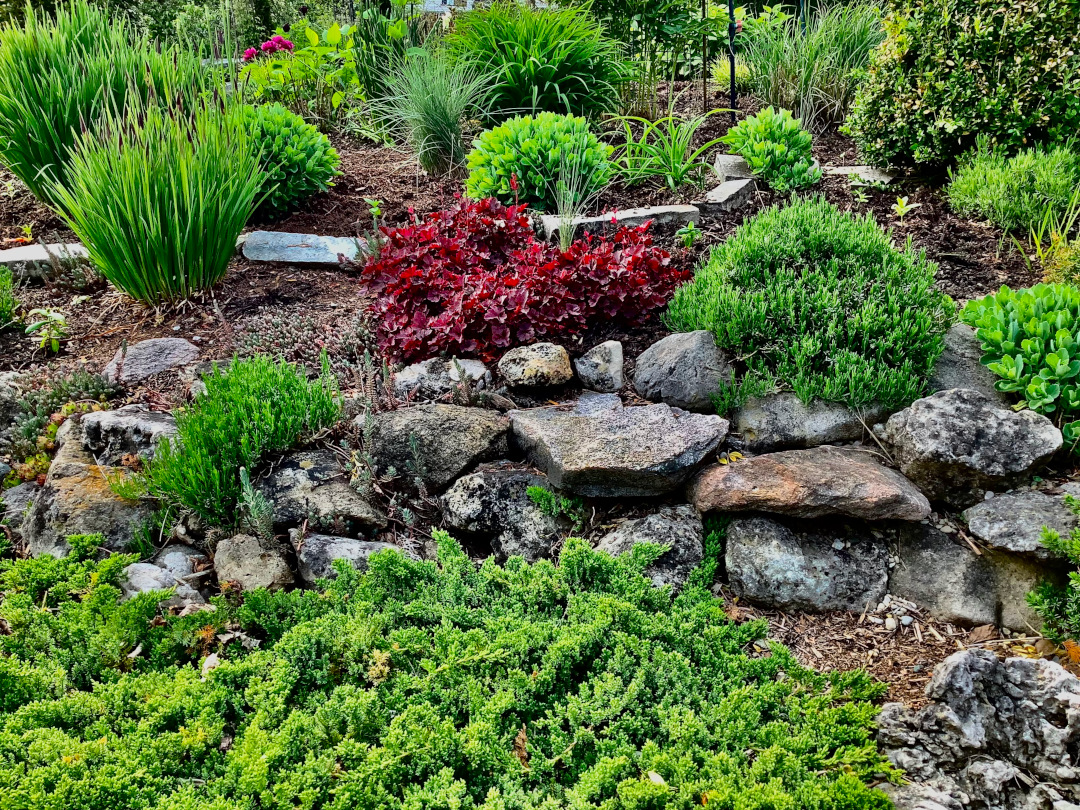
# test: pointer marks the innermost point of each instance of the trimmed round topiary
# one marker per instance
(298, 159)
(951, 70)
(537, 151)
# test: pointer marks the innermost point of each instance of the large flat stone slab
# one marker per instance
(728, 196)
(35, 262)
(820, 482)
(601, 449)
(302, 249)
(783, 421)
(628, 218)
(149, 357)
(1014, 522)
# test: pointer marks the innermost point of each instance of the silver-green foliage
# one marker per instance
(257, 406)
(822, 303)
(1015, 193)
(59, 75)
(159, 196)
(428, 99)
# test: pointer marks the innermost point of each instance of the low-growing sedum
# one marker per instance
(818, 301)
(777, 149)
(531, 153)
(423, 684)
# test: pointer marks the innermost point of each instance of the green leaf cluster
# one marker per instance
(554, 59)
(1015, 192)
(256, 406)
(536, 150)
(1030, 341)
(777, 149)
(297, 160)
(1059, 606)
(818, 301)
(437, 685)
(667, 150)
(951, 70)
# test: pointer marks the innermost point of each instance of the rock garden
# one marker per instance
(522, 406)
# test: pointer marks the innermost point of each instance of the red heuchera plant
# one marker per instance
(474, 280)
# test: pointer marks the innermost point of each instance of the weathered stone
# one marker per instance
(537, 366)
(960, 365)
(628, 218)
(16, 502)
(913, 796)
(603, 450)
(678, 527)
(77, 499)
(35, 262)
(312, 485)
(957, 444)
(810, 483)
(253, 562)
(866, 174)
(732, 167)
(685, 370)
(180, 560)
(133, 430)
(805, 566)
(728, 196)
(988, 722)
(783, 421)
(318, 552)
(435, 378)
(449, 440)
(601, 368)
(493, 504)
(1014, 521)
(145, 577)
(149, 357)
(302, 249)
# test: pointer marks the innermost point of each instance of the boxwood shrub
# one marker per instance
(818, 301)
(419, 685)
(950, 70)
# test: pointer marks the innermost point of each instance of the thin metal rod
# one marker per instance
(731, 55)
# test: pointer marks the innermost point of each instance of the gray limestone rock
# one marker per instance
(318, 552)
(678, 527)
(435, 378)
(1014, 521)
(783, 421)
(253, 562)
(601, 368)
(149, 357)
(540, 365)
(302, 249)
(960, 365)
(133, 430)
(684, 370)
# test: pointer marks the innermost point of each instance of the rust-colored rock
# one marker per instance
(811, 483)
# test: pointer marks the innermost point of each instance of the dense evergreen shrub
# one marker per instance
(776, 148)
(1031, 341)
(431, 685)
(820, 302)
(518, 161)
(951, 70)
(542, 59)
(297, 160)
(1015, 193)
(473, 281)
(256, 406)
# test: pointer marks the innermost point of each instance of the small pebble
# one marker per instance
(945, 527)
(890, 623)
(838, 544)
(988, 496)
(880, 607)
(875, 620)
(906, 621)
(887, 600)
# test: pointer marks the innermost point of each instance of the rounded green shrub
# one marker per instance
(536, 151)
(553, 59)
(818, 301)
(298, 159)
(951, 70)
(777, 149)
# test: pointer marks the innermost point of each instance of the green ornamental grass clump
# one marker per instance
(159, 196)
(532, 152)
(1015, 193)
(951, 70)
(420, 685)
(256, 406)
(1031, 341)
(820, 302)
(541, 59)
(777, 149)
(297, 160)
(59, 75)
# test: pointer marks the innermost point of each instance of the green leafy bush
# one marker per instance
(820, 302)
(1030, 340)
(297, 160)
(812, 67)
(777, 149)
(535, 151)
(666, 151)
(9, 304)
(158, 198)
(58, 76)
(440, 685)
(1015, 192)
(1057, 606)
(951, 70)
(549, 59)
(256, 407)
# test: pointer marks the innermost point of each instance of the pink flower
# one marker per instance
(268, 47)
(250, 54)
(286, 44)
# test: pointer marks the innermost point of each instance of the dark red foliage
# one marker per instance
(474, 280)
